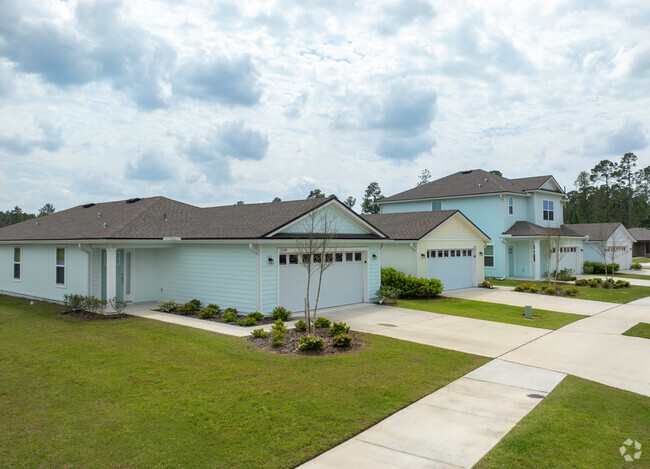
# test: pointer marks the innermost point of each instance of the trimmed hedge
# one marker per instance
(598, 268)
(410, 287)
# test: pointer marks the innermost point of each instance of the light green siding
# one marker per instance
(399, 256)
(401, 207)
(339, 222)
(38, 272)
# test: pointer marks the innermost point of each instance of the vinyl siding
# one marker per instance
(341, 222)
(400, 207)
(38, 272)
(400, 256)
(538, 208)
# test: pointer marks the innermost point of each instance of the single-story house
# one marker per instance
(611, 239)
(442, 244)
(158, 249)
(641, 246)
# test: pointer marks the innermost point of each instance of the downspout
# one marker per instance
(259, 273)
(90, 271)
(415, 256)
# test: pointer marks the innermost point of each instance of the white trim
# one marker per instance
(493, 256)
(20, 263)
(65, 267)
(131, 275)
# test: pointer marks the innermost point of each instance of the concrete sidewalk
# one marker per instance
(507, 296)
(453, 427)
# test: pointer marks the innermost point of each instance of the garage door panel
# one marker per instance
(455, 271)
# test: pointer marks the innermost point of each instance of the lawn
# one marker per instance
(640, 330)
(636, 276)
(139, 393)
(492, 312)
(642, 260)
(581, 424)
(620, 295)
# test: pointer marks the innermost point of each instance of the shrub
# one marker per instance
(636, 266)
(280, 312)
(388, 295)
(169, 306)
(549, 290)
(256, 314)
(322, 322)
(523, 287)
(260, 333)
(587, 269)
(558, 289)
(277, 337)
(486, 284)
(598, 268)
(621, 284)
(338, 328)
(74, 302)
(207, 312)
(410, 287)
(229, 315)
(247, 321)
(311, 342)
(215, 307)
(534, 288)
(608, 283)
(593, 282)
(279, 326)
(583, 282)
(196, 303)
(301, 326)
(94, 305)
(571, 291)
(187, 309)
(342, 340)
(117, 305)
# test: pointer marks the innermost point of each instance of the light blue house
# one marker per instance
(521, 217)
(158, 249)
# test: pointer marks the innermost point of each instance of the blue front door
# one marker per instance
(511, 261)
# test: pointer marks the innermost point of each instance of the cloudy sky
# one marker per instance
(210, 103)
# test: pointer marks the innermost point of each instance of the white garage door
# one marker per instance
(453, 267)
(569, 257)
(343, 281)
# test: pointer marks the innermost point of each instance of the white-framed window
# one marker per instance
(548, 212)
(60, 267)
(436, 205)
(18, 260)
(488, 255)
(511, 206)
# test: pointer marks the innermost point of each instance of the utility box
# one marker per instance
(528, 312)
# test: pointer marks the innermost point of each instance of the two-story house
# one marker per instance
(521, 216)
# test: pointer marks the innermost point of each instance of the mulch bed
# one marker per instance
(292, 339)
(261, 322)
(88, 316)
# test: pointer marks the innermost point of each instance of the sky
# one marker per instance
(212, 102)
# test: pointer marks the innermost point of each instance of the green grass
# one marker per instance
(640, 330)
(642, 260)
(581, 424)
(492, 312)
(637, 276)
(611, 295)
(140, 393)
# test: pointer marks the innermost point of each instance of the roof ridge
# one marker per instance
(125, 224)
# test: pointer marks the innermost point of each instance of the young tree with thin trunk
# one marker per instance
(553, 252)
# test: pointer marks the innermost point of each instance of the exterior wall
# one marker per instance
(400, 207)
(38, 271)
(592, 250)
(538, 208)
(523, 261)
(341, 222)
(401, 257)
(641, 249)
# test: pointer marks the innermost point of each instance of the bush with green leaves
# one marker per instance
(215, 307)
(207, 313)
(486, 284)
(196, 303)
(594, 282)
(534, 288)
(571, 291)
(301, 326)
(410, 287)
(565, 275)
(187, 309)
(338, 328)
(587, 269)
(322, 322)
(342, 340)
(95, 305)
(311, 342)
(247, 321)
(388, 295)
(583, 282)
(279, 326)
(549, 290)
(229, 315)
(74, 302)
(636, 266)
(598, 268)
(169, 307)
(256, 314)
(118, 305)
(261, 333)
(278, 332)
(280, 312)
(522, 287)
(621, 284)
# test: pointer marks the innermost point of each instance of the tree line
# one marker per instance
(17, 215)
(611, 192)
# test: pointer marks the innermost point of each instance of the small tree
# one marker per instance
(46, 209)
(425, 177)
(350, 201)
(553, 252)
(316, 253)
(371, 196)
(603, 232)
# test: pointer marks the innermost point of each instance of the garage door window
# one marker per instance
(489, 256)
(329, 257)
(437, 253)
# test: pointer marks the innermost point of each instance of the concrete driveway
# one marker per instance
(476, 336)
(507, 296)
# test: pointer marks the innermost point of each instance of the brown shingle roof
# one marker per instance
(410, 225)
(159, 217)
(526, 228)
(595, 231)
(640, 234)
(472, 182)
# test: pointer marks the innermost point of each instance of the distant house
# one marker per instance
(641, 246)
(443, 244)
(158, 249)
(516, 214)
(613, 239)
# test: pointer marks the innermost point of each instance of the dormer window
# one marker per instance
(548, 213)
(511, 206)
(436, 206)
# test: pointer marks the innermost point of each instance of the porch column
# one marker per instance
(111, 272)
(537, 264)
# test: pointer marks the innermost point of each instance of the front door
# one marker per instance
(129, 271)
(511, 260)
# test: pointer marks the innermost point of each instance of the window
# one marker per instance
(348, 257)
(357, 256)
(338, 257)
(17, 262)
(511, 206)
(439, 253)
(488, 260)
(329, 258)
(283, 259)
(548, 212)
(306, 258)
(293, 258)
(60, 266)
(317, 258)
(436, 206)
